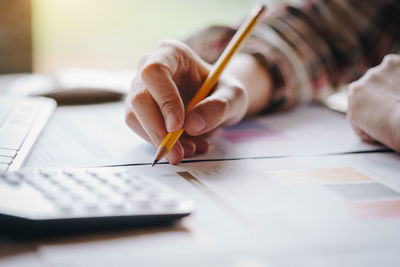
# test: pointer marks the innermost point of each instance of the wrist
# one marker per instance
(255, 79)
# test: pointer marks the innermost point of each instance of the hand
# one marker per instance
(374, 103)
(166, 81)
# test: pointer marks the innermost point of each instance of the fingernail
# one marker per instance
(195, 123)
(172, 121)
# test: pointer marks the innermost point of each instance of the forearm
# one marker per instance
(255, 80)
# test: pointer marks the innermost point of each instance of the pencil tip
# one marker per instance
(161, 152)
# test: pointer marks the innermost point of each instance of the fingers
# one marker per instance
(193, 145)
(132, 122)
(161, 86)
(157, 74)
(201, 143)
(176, 154)
(150, 119)
(166, 80)
(189, 147)
(145, 119)
(227, 105)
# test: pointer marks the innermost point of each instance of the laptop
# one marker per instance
(21, 122)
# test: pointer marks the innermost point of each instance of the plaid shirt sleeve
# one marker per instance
(313, 49)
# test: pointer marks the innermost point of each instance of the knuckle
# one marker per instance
(222, 104)
(387, 58)
(177, 51)
(173, 54)
(373, 76)
(169, 104)
(212, 28)
(174, 45)
(238, 92)
(167, 43)
(354, 89)
(391, 60)
(130, 117)
(139, 97)
(151, 69)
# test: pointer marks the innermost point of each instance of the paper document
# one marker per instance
(303, 211)
(96, 135)
(90, 135)
(307, 130)
(343, 200)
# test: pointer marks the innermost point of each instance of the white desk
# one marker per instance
(242, 218)
(255, 232)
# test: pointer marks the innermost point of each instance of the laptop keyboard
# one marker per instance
(21, 120)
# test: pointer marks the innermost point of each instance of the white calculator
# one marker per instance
(85, 199)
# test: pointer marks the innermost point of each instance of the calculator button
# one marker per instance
(4, 166)
(94, 193)
(68, 173)
(64, 204)
(104, 191)
(38, 181)
(117, 203)
(152, 192)
(166, 200)
(89, 202)
(141, 201)
(12, 179)
(51, 192)
(87, 181)
(3, 175)
(124, 190)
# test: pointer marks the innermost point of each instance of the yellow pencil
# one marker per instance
(212, 78)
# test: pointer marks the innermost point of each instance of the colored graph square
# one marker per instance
(318, 176)
(249, 131)
(362, 191)
(379, 209)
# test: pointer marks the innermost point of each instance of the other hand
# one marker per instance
(374, 103)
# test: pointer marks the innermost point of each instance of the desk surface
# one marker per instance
(246, 215)
(247, 219)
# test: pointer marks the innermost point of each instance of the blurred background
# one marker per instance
(48, 35)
